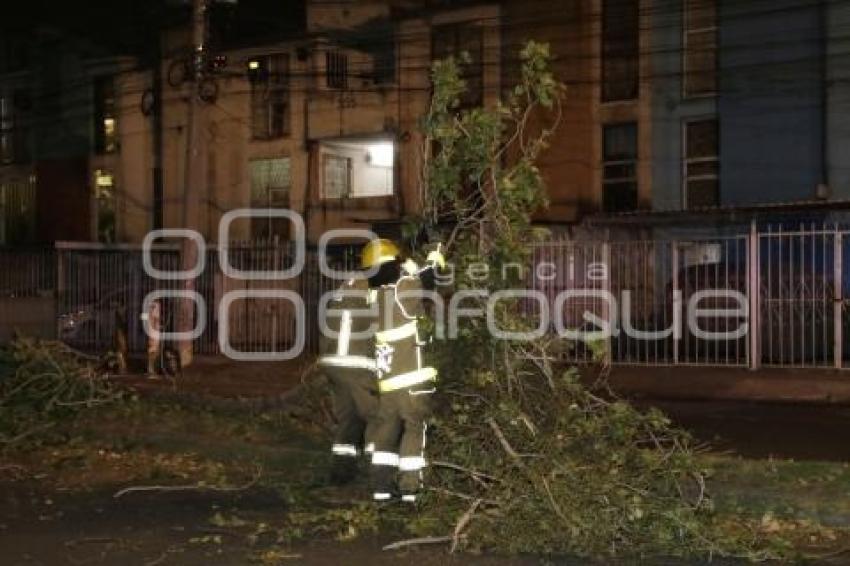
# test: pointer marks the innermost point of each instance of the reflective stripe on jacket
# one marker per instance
(398, 355)
(360, 362)
(347, 318)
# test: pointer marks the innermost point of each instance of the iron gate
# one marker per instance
(792, 280)
(645, 289)
(801, 297)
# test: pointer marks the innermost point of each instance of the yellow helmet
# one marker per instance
(378, 252)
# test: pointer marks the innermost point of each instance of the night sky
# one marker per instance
(124, 26)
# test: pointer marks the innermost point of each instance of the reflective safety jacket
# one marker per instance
(398, 348)
(350, 344)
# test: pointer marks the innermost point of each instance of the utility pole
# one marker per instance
(193, 171)
(157, 212)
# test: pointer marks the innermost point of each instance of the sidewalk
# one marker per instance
(733, 384)
(219, 377)
(223, 378)
(800, 414)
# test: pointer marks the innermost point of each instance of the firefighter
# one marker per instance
(347, 361)
(405, 384)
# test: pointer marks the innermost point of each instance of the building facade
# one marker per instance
(58, 138)
(749, 104)
(325, 124)
(671, 106)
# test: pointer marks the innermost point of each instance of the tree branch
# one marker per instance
(504, 442)
(462, 524)
(195, 487)
(417, 541)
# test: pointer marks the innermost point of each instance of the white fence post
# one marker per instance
(59, 297)
(674, 260)
(838, 301)
(754, 297)
(606, 260)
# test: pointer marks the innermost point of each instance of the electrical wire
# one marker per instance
(773, 84)
(424, 62)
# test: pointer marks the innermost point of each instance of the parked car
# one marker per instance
(796, 310)
(93, 323)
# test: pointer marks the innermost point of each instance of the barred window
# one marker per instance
(336, 70)
(271, 180)
(270, 97)
(701, 164)
(336, 176)
(619, 167)
(699, 56)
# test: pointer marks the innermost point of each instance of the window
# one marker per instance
(269, 97)
(620, 55)
(104, 194)
(13, 127)
(699, 57)
(701, 164)
(105, 116)
(7, 145)
(271, 180)
(384, 57)
(17, 212)
(336, 176)
(457, 39)
(336, 70)
(619, 167)
(357, 169)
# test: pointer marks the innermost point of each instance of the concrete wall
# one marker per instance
(31, 316)
(134, 163)
(318, 115)
(323, 16)
(769, 106)
(670, 109)
(837, 20)
(770, 110)
(570, 164)
(771, 101)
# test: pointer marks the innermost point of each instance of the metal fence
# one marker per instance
(101, 288)
(794, 285)
(645, 288)
(27, 272)
(801, 297)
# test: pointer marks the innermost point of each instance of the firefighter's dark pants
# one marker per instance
(400, 431)
(355, 406)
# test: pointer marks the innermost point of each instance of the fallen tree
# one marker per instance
(524, 457)
(46, 383)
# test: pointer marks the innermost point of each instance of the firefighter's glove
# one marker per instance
(436, 259)
(409, 267)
